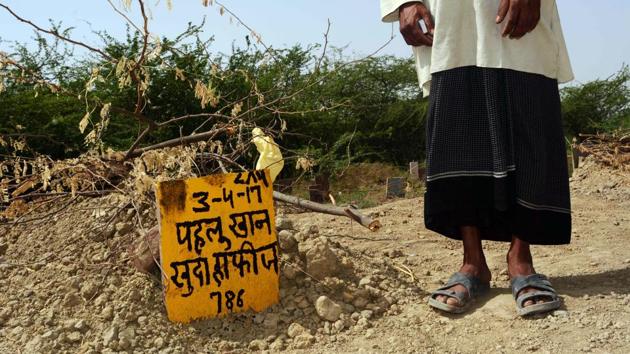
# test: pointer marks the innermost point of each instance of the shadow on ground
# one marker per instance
(617, 281)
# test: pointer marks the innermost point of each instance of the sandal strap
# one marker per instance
(458, 295)
(534, 294)
(474, 286)
(536, 281)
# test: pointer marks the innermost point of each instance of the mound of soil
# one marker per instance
(67, 285)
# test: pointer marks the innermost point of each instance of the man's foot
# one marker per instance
(474, 264)
(481, 272)
(520, 263)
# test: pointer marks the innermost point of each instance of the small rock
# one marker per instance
(123, 228)
(110, 336)
(560, 313)
(360, 302)
(107, 313)
(286, 240)
(3, 248)
(277, 345)
(327, 309)
(71, 300)
(128, 333)
(124, 344)
(49, 335)
(367, 314)
(33, 345)
(258, 344)
(321, 261)
(158, 343)
(339, 325)
(17, 331)
(365, 281)
(303, 341)
(88, 290)
(283, 223)
(313, 230)
(296, 329)
(74, 337)
(289, 271)
(271, 321)
(363, 323)
(81, 326)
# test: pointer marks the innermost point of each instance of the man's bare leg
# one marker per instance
(520, 263)
(474, 262)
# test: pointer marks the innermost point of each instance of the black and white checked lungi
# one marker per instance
(496, 156)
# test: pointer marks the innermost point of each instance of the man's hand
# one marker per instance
(409, 14)
(522, 16)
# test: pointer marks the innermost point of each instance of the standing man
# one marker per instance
(496, 158)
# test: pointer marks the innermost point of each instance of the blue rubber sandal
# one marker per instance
(544, 290)
(474, 288)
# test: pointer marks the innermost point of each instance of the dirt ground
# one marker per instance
(66, 286)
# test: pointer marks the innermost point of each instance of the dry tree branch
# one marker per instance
(121, 13)
(57, 34)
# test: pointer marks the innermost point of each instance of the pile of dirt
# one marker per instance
(593, 178)
(68, 287)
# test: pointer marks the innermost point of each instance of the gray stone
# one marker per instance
(313, 230)
(363, 323)
(296, 329)
(88, 289)
(258, 344)
(124, 344)
(360, 302)
(365, 281)
(286, 240)
(290, 271)
(303, 341)
(33, 345)
(123, 228)
(271, 321)
(107, 313)
(49, 335)
(561, 313)
(327, 309)
(283, 223)
(71, 300)
(110, 336)
(277, 345)
(339, 325)
(158, 343)
(74, 337)
(128, 333)
(321, 261)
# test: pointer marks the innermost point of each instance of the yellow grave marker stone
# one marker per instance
(218, 244)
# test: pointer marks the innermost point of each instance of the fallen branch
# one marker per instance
(352, 213)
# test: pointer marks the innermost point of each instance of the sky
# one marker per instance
(597, 32)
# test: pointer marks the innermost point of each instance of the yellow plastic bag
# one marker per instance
(270, 155)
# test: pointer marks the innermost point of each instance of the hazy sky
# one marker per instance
(597, 32)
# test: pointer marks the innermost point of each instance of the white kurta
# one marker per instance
(466, 34)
